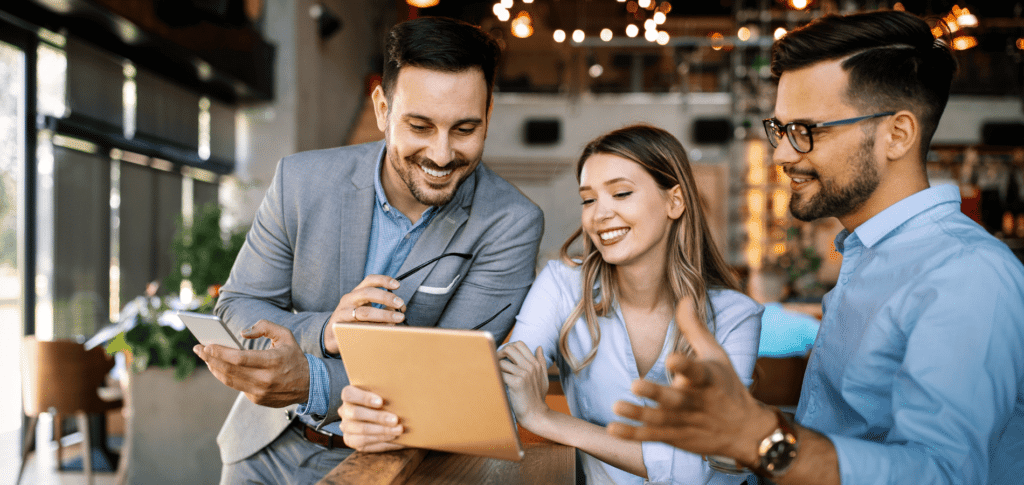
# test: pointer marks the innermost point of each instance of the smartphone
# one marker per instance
(209, 329)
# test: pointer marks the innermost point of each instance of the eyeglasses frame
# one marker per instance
(773, 138)
(435, 259)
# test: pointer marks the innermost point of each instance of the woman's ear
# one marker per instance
(676, 205)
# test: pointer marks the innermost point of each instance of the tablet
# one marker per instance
(443, 384)
(209, 329)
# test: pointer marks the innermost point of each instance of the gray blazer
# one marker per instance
(307, 248)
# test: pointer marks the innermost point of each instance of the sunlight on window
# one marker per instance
(52, 70)
(129, 98)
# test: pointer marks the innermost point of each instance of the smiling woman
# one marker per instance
(608, 317)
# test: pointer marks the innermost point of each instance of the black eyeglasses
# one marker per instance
(799, 134)
(435, 259)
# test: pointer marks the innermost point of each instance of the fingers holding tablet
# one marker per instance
(364, 423)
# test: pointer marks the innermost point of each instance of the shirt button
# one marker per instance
(387, 208)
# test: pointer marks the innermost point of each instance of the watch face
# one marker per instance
(780, 455)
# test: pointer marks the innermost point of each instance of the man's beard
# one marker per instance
(837, 201)
(405, 167)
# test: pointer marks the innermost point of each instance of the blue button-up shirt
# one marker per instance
(392, 236)
(917, 370)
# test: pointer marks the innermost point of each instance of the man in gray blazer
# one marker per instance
(339, 228)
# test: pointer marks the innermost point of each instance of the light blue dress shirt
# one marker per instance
(917, 371)
(392, 236)
(592, 391)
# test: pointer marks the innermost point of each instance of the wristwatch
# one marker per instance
(778, 451)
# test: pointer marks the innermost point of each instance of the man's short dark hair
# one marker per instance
(893, 60)
(440, 44)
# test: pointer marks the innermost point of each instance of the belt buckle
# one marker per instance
(330, 437)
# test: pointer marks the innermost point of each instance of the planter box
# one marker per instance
(171, 428)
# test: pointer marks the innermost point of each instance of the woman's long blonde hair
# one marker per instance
(694, 262)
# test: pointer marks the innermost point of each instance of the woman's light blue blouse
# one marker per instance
(592, 391)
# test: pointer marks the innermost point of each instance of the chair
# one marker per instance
(62, 377)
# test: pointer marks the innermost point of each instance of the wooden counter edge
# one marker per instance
(390, 468)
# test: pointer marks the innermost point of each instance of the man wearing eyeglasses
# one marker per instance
(411, 230)
(917, 370)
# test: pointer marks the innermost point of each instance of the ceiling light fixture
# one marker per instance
(743, 34)
(522, 26)
(632, 30)
(559, 36)
(964, 42)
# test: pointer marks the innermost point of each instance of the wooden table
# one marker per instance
(545, 462)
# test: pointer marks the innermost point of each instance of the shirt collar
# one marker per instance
(883, 223)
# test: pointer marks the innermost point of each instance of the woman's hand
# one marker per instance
(526, 376)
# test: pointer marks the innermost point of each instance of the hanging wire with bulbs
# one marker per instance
(522, 25)
(650, 13)
(955, 22)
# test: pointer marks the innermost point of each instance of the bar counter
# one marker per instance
(544, 462)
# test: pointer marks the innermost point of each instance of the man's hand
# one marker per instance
(355, 307)
(275, 377)
(364, 423)
(706, 410)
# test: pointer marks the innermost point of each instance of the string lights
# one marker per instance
(955, 21)
(522, 23)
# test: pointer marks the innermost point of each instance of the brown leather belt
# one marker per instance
(322, 438)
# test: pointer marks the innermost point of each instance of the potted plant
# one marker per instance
(150, 335)
(173, 412)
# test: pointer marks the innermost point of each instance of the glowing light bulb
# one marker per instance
(651, 35)
(659, 18)
(663, 38)
(780, 33)
(578, 36)
(743, 34)
(606, 34)
(559, 36)
(632, 30)
(522, 26)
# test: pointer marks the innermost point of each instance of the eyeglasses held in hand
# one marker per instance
(799, 134)
(434, 259)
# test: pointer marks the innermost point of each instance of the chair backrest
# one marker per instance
(61, 374)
